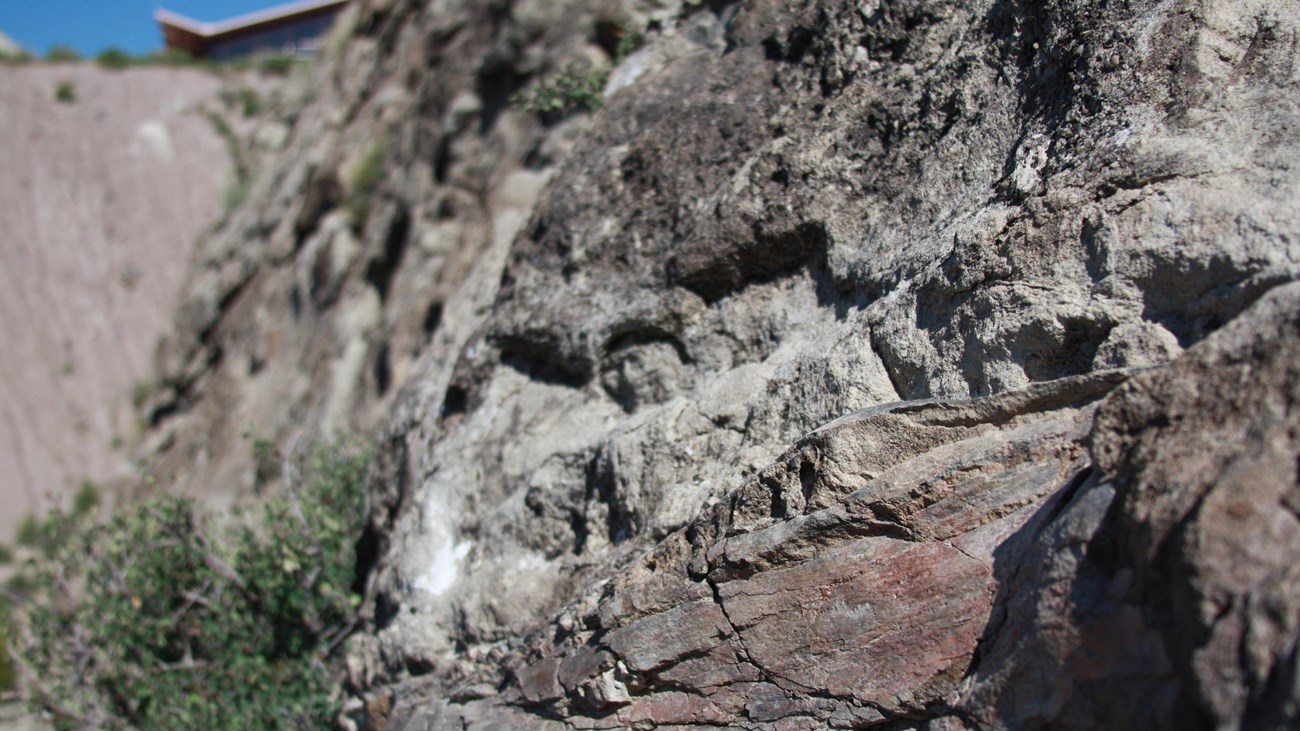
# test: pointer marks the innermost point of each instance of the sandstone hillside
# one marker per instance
(103, 198)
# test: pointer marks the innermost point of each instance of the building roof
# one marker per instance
(184, 31)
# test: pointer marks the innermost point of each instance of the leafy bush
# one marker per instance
(65, 92)
(20, 57)
(152, 619)
(59, 54)
(8, 676)
(115, 58)
(175, 57)
(87, 498)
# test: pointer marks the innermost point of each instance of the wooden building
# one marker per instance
(295, 28)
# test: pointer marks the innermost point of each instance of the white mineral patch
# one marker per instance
(444, 567)
(153, 138)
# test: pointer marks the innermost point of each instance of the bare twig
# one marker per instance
(192, 598)
(13, 596)
(342, 633)
(219, 567)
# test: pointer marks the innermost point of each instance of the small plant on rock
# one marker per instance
(277, 65)
(246, 99)
(580, 86)
(65, 92)
(363, 180)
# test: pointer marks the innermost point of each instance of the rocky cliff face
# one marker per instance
(904, 364)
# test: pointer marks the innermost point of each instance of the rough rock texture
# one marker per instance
(101, 201)
(833, 373)
(1031, 559)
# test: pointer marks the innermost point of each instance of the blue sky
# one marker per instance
(90, 26)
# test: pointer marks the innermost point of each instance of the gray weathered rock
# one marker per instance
(784, 391)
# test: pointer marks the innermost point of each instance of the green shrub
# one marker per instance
(250, 102)
(152, 619)
(173, 57)
(115, 58)
(8, 678)
(59, 54)
(86, 501)
(65, 92)
(20, 57)
(29, 532)
(8, 675)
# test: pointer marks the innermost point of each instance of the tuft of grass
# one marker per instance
(65, 92)
(277, 65)
(235, 193)
(140, 394)
(151, 618)
(362, 182)
(238, 189)
(247, 100)
(250, 102)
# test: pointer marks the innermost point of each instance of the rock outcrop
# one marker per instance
(1100, 551)
(856, 364)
